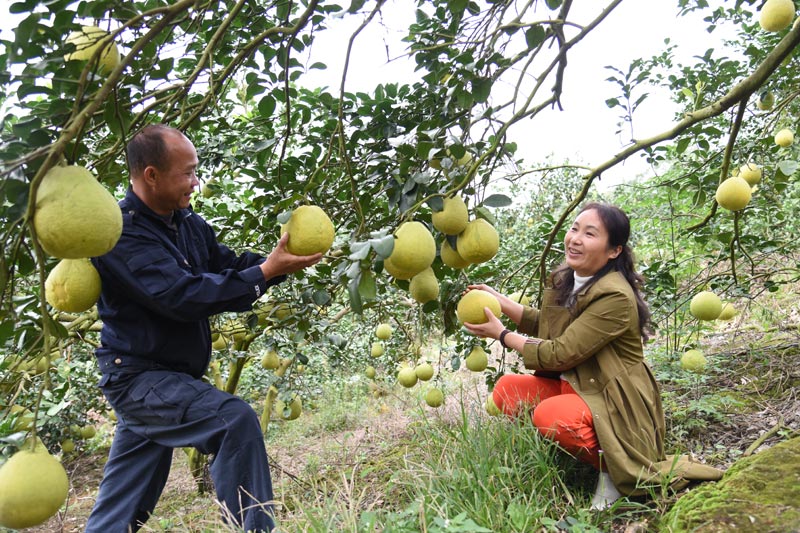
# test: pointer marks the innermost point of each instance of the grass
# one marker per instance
(456, 471)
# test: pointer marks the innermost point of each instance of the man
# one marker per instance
(161, 282)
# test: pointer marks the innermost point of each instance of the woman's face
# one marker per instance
(586, 244)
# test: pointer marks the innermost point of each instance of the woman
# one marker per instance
(592, 391)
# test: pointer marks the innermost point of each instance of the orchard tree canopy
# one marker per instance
(230, 74)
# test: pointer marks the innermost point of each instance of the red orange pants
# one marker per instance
(558, 412)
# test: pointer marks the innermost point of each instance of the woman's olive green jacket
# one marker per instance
(599, 351)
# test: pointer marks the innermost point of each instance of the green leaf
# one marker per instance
(355, 297)
(367, 287)
(266, 106)
(497, 200)
(485, 214)
(358, 251)
(284, 217)
(383, 246)
(481, 89)
(436, 204)
(321, 297)
(787, 168)
(534, 36)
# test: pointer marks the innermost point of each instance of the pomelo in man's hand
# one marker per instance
(310, 231)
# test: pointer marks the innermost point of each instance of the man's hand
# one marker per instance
(280, 261)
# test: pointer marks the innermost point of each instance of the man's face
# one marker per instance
(176, 179)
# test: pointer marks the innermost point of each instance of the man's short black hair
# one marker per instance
(148, 148)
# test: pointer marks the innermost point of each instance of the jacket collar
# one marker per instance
(134, 205)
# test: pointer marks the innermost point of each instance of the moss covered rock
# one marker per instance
(758, 493)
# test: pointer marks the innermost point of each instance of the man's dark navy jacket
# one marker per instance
(163, 280)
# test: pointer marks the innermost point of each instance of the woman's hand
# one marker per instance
(492, 328)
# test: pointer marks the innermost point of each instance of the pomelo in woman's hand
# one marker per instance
(470, 307)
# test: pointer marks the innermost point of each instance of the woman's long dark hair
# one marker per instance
(618, 227)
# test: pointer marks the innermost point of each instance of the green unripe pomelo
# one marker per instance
(693, 361)
(407, 377)
(470, 307)
(290, 412)
(766, 100)
(434, 398)
(728, 311)
(491, 407)
(519, 298)
(377, 349)
(383, 331)
(424, 371)
(270, 360)
(477, 360)
(370, 372)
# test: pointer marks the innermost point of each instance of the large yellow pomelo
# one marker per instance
(784, 138)
(751, 173)
(705, 305)
(478, 242)
(392, 269)
(734, 193)
(73, 286)
(451, 257)
(453, 217)
(75, 215)
(310, 231)
(33, 487)
(414, 248)
(87, 41)
(424, 287)
(776, 15)
(470, 306)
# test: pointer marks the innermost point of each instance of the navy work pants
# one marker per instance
(159, 410)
